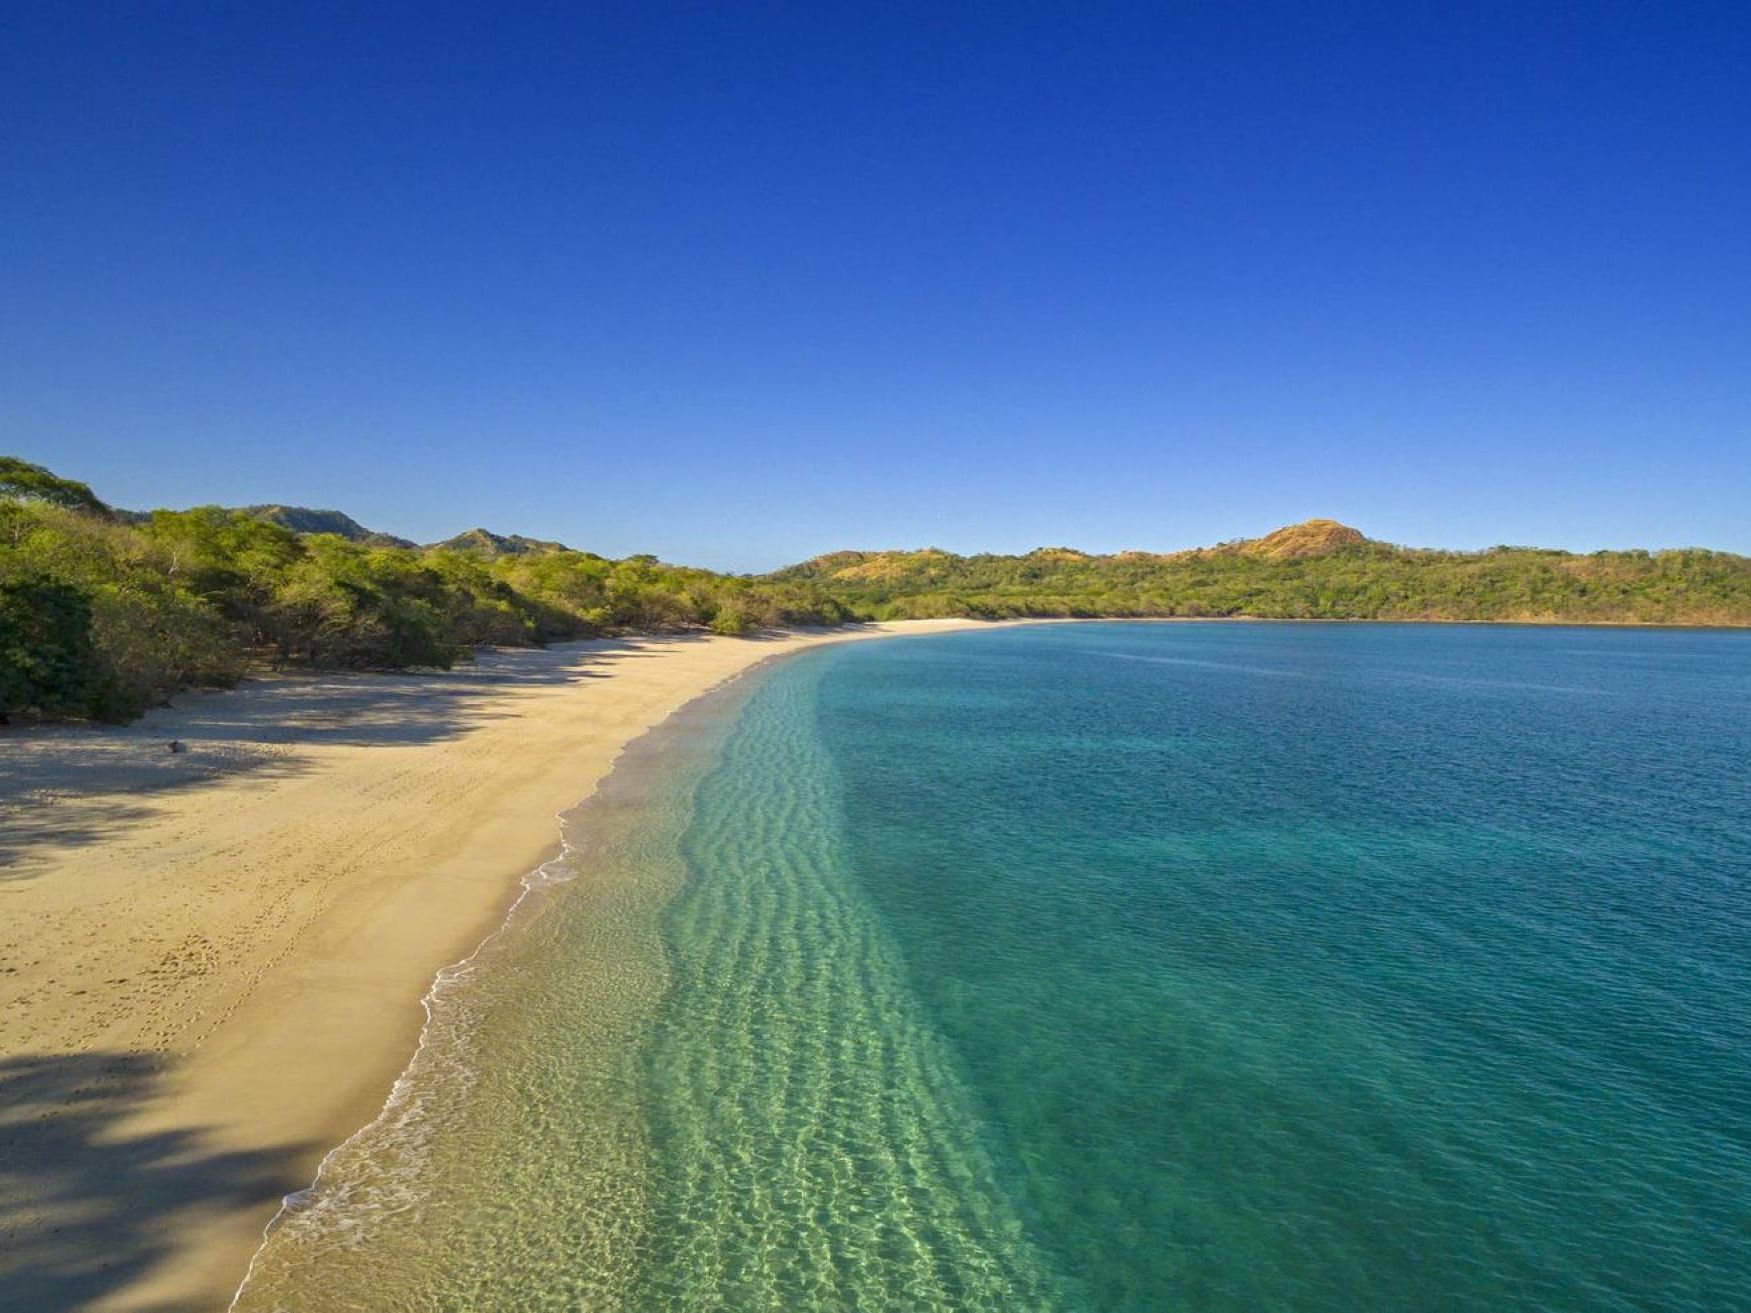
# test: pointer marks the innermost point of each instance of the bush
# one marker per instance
(731, 622)
(47, 662)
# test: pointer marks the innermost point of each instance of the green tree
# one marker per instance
(21, 479)
(46, 656)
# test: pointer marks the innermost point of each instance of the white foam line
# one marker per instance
(457, 971)
(535, 879)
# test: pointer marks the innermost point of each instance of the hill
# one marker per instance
(1294, 542)
(302, 519)
(483, 543)
(1319, 569)
(104, 612)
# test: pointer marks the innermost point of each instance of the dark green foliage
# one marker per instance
(46, 660)
(150, 631)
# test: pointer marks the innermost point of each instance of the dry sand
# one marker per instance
(211, 961)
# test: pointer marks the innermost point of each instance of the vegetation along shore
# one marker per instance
(104, 612)
(211, 961)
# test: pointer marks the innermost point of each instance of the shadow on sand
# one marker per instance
(68, 785)
(85, 1207)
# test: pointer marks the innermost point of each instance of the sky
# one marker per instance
(741, 283)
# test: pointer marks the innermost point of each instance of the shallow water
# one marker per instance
(1108, 967)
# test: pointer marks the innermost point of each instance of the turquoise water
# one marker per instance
(1108, 967)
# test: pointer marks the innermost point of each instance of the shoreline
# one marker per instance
(213, 963)
(1722, 627)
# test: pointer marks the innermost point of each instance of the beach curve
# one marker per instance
(213, 961)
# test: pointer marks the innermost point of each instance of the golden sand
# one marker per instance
(211, 960)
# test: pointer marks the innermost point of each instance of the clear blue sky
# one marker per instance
(740, 283)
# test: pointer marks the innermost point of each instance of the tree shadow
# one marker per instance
(87, 1208)
(74, 784)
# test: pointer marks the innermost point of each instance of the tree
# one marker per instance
(731, 621)
(46, 658)
(19, 478)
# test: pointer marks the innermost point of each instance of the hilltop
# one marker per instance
(103, 612)
(1291, 542)
(481, 542)
(1294, 542)
(1318, 569)
(302, 519)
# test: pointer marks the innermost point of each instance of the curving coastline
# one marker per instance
(212, 962)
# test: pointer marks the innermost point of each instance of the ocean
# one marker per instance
(1106, 967)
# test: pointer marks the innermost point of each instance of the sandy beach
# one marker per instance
(211, 961)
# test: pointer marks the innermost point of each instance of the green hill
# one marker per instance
(104, 612)
(302, 519)
(1319, 569)
(482, 543)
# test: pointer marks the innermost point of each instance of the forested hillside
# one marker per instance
(1317, 570)
(103, 613)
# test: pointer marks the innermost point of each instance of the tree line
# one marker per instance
(104, 614)
(1359, 580)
